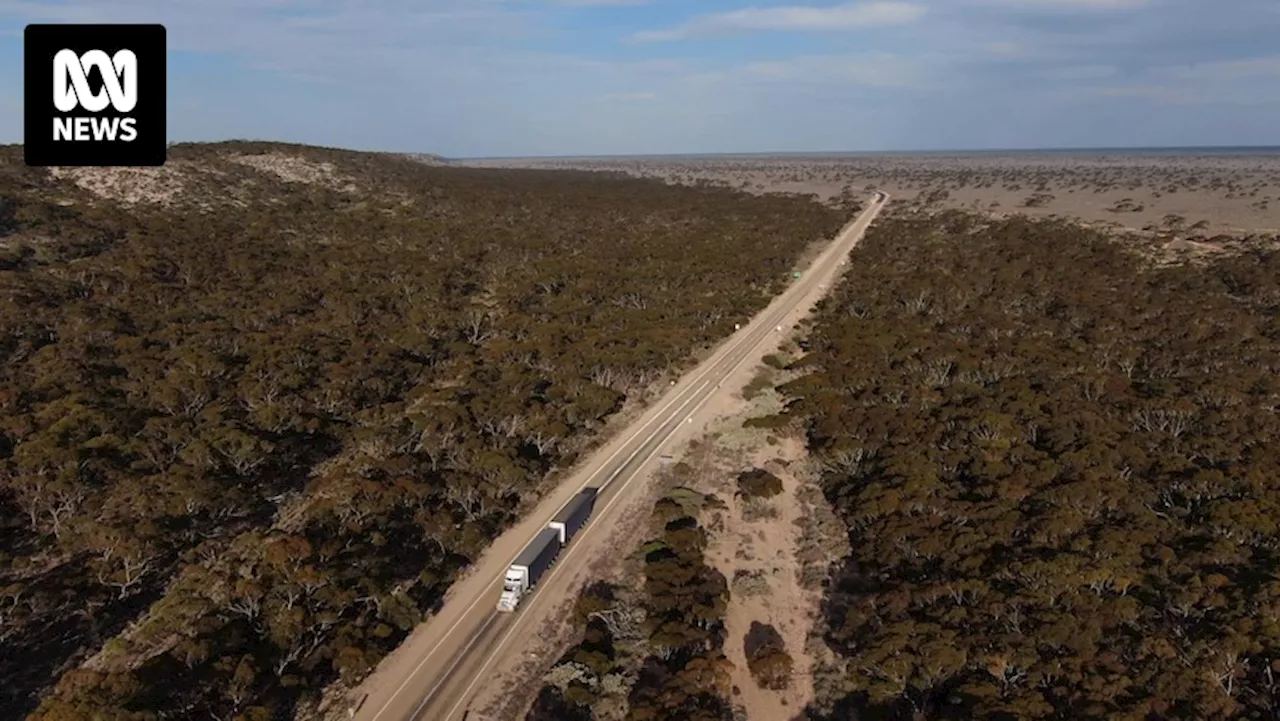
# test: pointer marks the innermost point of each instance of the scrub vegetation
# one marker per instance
(655, 653)
(1057, 464)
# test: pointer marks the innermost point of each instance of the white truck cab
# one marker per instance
(513, 587)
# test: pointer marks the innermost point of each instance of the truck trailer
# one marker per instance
(574, 514)
(528, 567)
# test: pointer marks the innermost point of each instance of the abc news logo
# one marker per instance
(71, 90)
(108, 102)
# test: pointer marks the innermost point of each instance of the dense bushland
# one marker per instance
(654, 653)
(686, 675)
(249, 436)
(592, 679)
(1058, 467)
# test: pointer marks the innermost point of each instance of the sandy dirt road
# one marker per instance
(437, 671)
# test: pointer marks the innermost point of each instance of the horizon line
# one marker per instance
(936, 152)
(1102, 149)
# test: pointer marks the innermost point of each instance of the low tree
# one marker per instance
(767, 658)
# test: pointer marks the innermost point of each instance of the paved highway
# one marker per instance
(438, 671)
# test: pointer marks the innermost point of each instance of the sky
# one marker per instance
(477, 78)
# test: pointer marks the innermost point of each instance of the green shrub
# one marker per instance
(758, 483)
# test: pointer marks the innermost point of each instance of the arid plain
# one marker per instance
(1200, 194)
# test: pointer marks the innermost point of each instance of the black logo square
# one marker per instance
(95, 95)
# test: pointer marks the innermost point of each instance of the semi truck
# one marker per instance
(528, 567)
(523, 574)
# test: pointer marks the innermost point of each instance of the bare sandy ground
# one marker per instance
(1229, 194)
(758, 552)
(777, 554)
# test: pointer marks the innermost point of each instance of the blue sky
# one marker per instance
(469, 78)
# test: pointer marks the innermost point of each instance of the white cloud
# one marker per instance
(1068, 4)
(320, 36)
(1227, 69)
(1158, 94)
(1244, 82)
(629, 97)
(793, 17)
(870, 70)
(705, 79)
(598, 3)
(1003, 49)
(1079, 72)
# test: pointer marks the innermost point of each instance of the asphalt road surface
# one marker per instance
(436, 673)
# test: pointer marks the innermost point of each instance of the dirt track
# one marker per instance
(465, 655)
